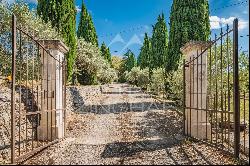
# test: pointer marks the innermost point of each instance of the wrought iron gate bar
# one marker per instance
(34, 98)
(207, 92)
(37, 41)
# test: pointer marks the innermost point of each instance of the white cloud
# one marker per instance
(214, 22)
(78, 9)
(217, 22)
(243, 24)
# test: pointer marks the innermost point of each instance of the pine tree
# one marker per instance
(105, 52)
(62, 15)
(86, 28)
(144, 58)
(159, 43)
(130, 61)
(189, 20)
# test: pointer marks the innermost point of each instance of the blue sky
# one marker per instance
(121, 24)
(137, 16)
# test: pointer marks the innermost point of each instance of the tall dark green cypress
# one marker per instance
(130, 61)
(145, 55)
(62, 15)
(159, 43)
(189, 20)
(105, 52)
(86, 28)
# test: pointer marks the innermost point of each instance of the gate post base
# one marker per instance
(43, 135)
(203, 132)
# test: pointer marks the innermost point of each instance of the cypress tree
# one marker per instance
(86, 28)
(62, 15)
(130, 61)
(159, 42)
(144, 58)
(105, 52)
(189, 20)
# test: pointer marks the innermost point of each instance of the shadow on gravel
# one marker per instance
(159, 124)
(122, 108)
(128, 149)
(78, 100)
(29, 100)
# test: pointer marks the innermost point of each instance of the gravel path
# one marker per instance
(118, 124)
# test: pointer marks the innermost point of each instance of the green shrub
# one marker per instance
(30, 23)
(143, 78)
(157, 81)
(132, 76)
(174, 85)
(170, 84)
(91, 67)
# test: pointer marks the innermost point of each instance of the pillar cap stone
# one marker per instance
(191, 45)
(55, 44)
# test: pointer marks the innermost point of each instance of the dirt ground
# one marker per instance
(121, 125)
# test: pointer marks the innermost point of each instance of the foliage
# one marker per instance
(62, 15)
(244, 72)
(170, 84)
(138, 77)
(107, 75)
(86, 28)
(174, 85)
(5, 63)
(222, 67)
(157, 81)
(130, 61)
(143, 78)
(220, 72)
(91, 67)
(119, 65)
(31, 23)
(159, 43)
(105, 52)
(132, 76)
(189, 20)
(144, 58)
(27, 20)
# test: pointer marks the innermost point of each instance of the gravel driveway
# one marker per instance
(119, 124)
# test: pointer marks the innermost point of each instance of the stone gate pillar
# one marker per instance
(52, 114)
(196, 119)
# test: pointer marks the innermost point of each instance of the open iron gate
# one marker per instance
(35, 92)
(212, 94)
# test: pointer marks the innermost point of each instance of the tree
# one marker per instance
(189, 20)
(159, 42)
(91, 67)
(144, 58)
(86, 28)
(105, 52)
(130, 61)
(62, 15)
(119, 65)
